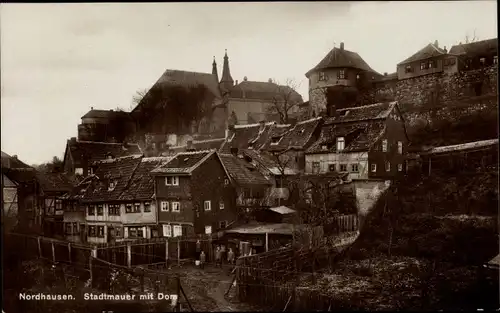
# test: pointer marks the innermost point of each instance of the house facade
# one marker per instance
(429, 60)
(368, 142)
(476, 55)
(194, 195)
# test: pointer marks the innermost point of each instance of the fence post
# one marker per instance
(69, 252)
(40, 247)
(166, 253)
(267, 242)
(129, 254)
(53, 252)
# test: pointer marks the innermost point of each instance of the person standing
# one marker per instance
(217, 256)
(202, 259)
(198, 249)
(230, 256)
(222, 254)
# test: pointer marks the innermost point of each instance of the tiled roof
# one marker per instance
(96, 151)
(241, 172)
(197, 145)
(120, 171)
(105, 114)
(141, 186)
(483, 47)
(20, 175)
(297, 136)
(268, 162)
(244, 136)
(338, 57)
(54, 182)
(359, 136)
(12, 162)
(363, 113)
(265, 91)
(462, 147)
(184, 162)
(426, 52)
(78, 191)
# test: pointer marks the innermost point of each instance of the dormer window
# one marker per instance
(341, 74)
(340, 143)
(112, 185)
(322, 76)
(408, 69)
(275, 140)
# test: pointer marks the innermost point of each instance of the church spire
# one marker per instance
(226, 80)
(214, 69)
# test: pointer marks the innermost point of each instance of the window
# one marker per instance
(388, 166)
(221, 205)
(99, 210)
(384, 145)
(177, 230)
(340, 143)
(147, 206)
(432, 64)
(322, 76)
(343, 167)
(78, 171)
(100, 231)
(400, 167)
(315, 167)
(137, 207)
(153, 145)
(207, 205)
(172, 181)
(400, 147)
(136, 232)
(331, 167)
(167, 231)
(58, 204)
(449, 62)
(114, 209)
(118, 232)
(208, 230)
(423, 65)
(164, 206)
(91, 210)
(341, 74)
(408, 69)
(176, 206)
(354, 168)
(92, 231)
(128, 208)
(75, 228)
(495, 59)
(222, 224)
(324, 147)
(112, 185)
(68, 228)
(482, 61)
(373, 167)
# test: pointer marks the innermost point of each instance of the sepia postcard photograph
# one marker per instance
(270, 156)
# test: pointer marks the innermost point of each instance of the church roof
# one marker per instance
(264, 91)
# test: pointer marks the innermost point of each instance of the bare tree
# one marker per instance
(139, 94)
(472, 39)
(285, 100)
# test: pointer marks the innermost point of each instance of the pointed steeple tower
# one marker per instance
(226, 81)
(214, 70)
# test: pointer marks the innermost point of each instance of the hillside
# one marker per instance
(423, 245)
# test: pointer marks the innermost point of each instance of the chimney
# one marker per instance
(445, 50)
(91, 108)
(14, 156)
(245, 78)
(111, 110)
(341, 46)
(270, 80)
(73, 139)
(385, 74)
(262, 124)
(436, 43)
(236, 82)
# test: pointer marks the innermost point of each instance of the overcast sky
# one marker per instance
(58, 60)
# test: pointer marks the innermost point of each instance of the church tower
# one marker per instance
(226, 82)
(214, 70)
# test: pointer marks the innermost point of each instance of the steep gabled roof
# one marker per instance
(296, 137)
(247, 135)
(361, 136)
(268, 163)
(12, 162)
(141, 186)
(184, 162)
(478, 48)
(21, 175)
(96, 151)
(79, 190)
(241, 172)
(341, 58)
(363, 113)
(105, 114)
(54, 182)
(265, 91)
(119, 171)
(426, 52)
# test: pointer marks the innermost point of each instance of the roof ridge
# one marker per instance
(132, 156)
(195, 152)
(193, 72)
(107, 143)
(309, 120)
(367, 106)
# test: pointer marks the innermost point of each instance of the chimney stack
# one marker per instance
(72, 139)
(270, 80)
(436, 43)
(236, 82)
(385, 74)
(189, 145)
(445, 50)
(245, 78)
(262, 124)
(341, 46)
(14, 156)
